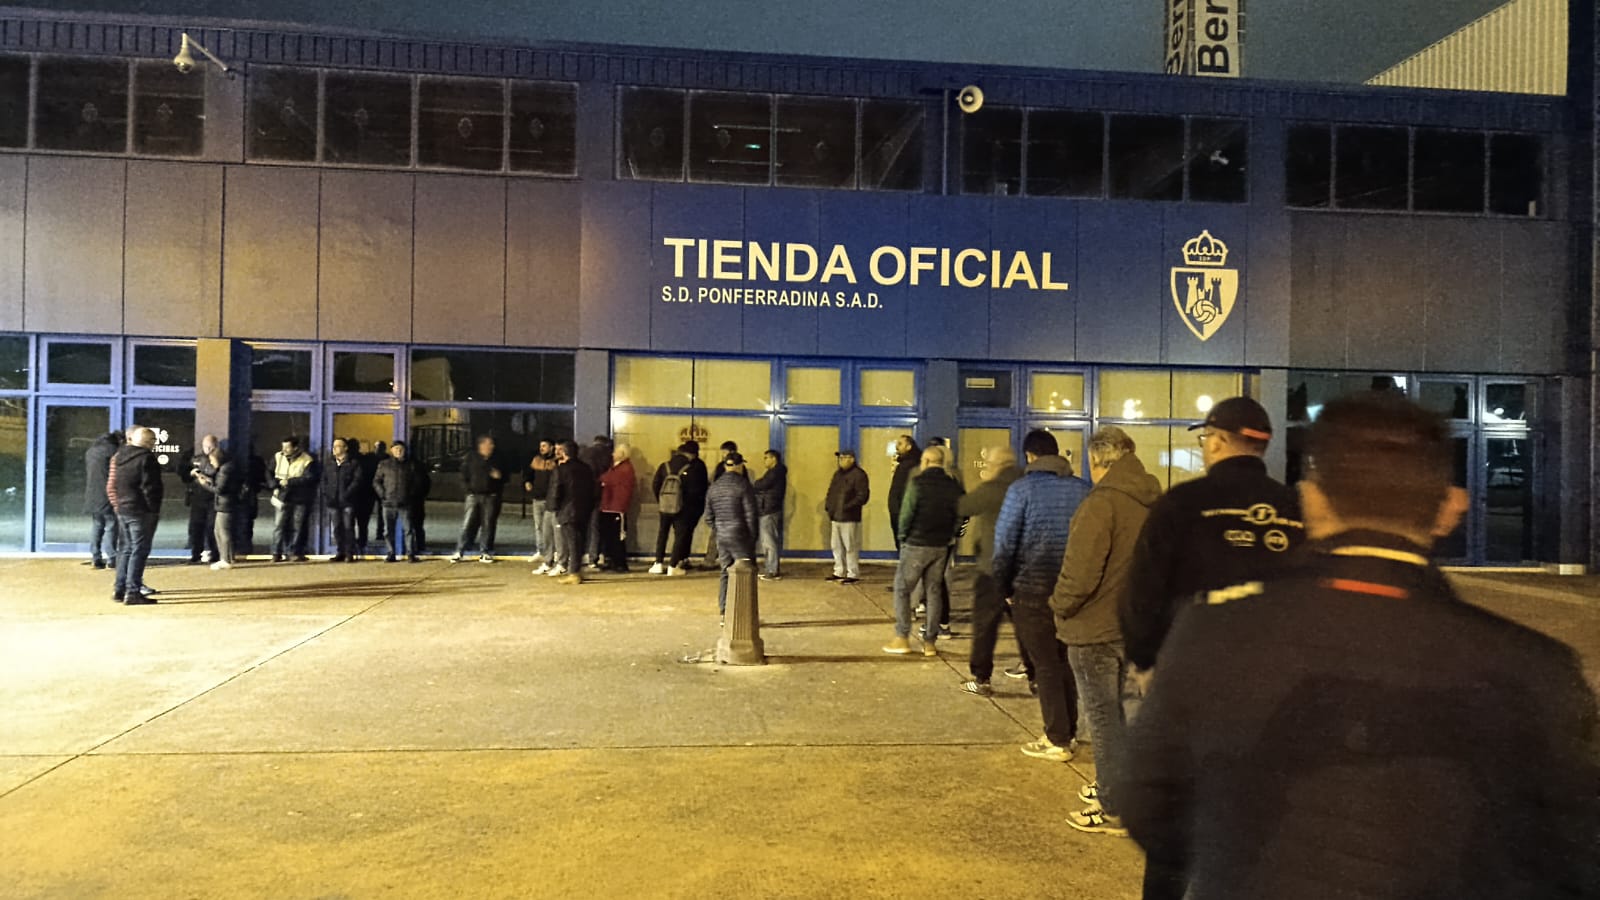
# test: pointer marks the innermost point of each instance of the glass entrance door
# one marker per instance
(268, 428)
(809, 453)
(70, 426)
(176, 444)
(875, 453)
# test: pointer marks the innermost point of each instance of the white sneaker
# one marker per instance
(219, 565)
(591, 567)
(455, 557)
(486, 558)
(677, 570)
(544, 569)
(537, 558)
(557, 572)
(658, 569)
(207, 557)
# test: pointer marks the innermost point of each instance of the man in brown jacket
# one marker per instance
(1094, 575)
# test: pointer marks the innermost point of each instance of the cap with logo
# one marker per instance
(1240, 415)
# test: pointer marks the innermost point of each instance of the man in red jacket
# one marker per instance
(616, 495)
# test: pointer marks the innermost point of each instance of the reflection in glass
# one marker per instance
(891, 145)
(164, 365)
(82, 105)
(13, 362)
(283, 115)
(544, 128)
(1508, 514)
(280, 369)
(14, 473)
(79, 363)
(1066, 153)
(441, 437)
(68, 432)
(461, 123)
(730, 138)
(812, 386)
(653, 381)
(491, 377)
(169, 111)
(1146, 157)
(1056, 392)
(367, 120)
(175, 448)
(991, 152)
(1451, 399)
(652, 134)
(1219, 153)
(363, 372)
(1134, 394)
(1371, 167)
(816, 142)
(985, 388)
(1505, 403)
(14, 101)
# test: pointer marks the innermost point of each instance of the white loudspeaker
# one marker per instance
(970, 99)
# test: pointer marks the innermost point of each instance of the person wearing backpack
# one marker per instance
(674, 501)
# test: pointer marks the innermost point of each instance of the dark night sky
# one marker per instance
(1306, 40)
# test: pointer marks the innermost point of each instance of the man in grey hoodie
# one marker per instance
(1094, 576)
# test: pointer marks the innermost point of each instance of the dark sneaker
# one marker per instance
(277, 557)
(834, 578)
(389, 558)
(849, 581)
(139, 601)
(981, 688)
(301, 557)
(946, 632)
(116, 598)
(1017, 671)
(1095, 820)
(99, 564)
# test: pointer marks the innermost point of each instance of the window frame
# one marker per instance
(143, 392)
(48, 386)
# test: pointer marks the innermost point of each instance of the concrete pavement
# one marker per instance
(437, 730)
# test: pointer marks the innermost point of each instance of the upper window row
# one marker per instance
(789, 141)
(405, 121)
(1071, 153)
(1420, 169)
(101, 106)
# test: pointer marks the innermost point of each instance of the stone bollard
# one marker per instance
(740, 644)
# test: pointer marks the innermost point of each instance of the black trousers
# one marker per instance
(989, 609)
(202, 523)
(1058, 690)
(343, 520)
(612, 546)
(682, 526)
(363, 516)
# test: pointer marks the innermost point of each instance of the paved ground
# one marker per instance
(329, 731)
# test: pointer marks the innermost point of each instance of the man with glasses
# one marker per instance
(1236, 524)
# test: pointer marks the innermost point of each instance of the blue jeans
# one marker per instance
(137, 533)
(771, 540)
(103, 536)
(402, 538)
(290, 529)
(1110, 699)
(480, 510)
(919, 566)
(725, 560)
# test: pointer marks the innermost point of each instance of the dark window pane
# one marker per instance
(730, 138)
(82, 105)
(891, 145)
(1508, 510)
(13, 362)
(1505, 403)
(283, 115)
(1371, 168)
(441, 437)
(985, 388)
(1219, 155)
(363, 372)
(278, 369)
(1310, 391)
(1146, 158)
(544, 128)
(169, 110)
(816, 142)
(1308, 165)
(367, 120)
(475, 377)
(1446, 398)
(991, 152)
(652, 134)
(1066, 154)
(13, 101)
(163, 365)
(1516, 174)
(13, 474)
(72, 363)
(1447, 173)
(461, 124)
(1454, 545)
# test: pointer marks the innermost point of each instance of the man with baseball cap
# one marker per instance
(1235, 524)
(848, 492)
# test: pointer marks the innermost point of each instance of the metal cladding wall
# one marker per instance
(1520, 48)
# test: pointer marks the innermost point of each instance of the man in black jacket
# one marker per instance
(401, 485)
(102, 518)
(225, 487)
(848, 492)
(572, 496)
(982, 506)
(907, 460)
(927, 524)
(734, 519)
(693, 481)
(712, 556)
(202, 511)
(771, 488)
(482, 482)
(341, 488)
(365, 500)
(1348, 726)
(134, 487)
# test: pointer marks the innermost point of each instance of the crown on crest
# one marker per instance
(696, 432)
(1205, 250)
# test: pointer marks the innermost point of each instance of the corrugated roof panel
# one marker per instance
(1519, 48)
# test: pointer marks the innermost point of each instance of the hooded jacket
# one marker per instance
(982, 506)
(771, 488)
(731, 513)
(133, 483)
(96, 471)
(1030, 536)
(848, 492)
(1099, 559)
(928, 513)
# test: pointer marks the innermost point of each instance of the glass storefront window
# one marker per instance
(366, 119)
(816, 142)
(82, 104)
(891, 145)
(13, 473)
(68, 432)
(730, 138)
(1056, 392)
(363, 372)
(732, 384)
(1310, 391)
(653, 381)
(544, 128)
(1451, 399)
(651, 125)
(461, 123)
(72, 362)
(492, 377)
(283, 115)
(1194, 393)
(169, 111)
(175, 449)
(889, 387)
(1505, 404)
(1508, 511)
(808, 386)
(14, 362)
(985, 388)
(280, 369)
(164, 365)
(1134, 394)
(14, 74)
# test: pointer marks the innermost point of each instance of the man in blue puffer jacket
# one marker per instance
(1030, 539)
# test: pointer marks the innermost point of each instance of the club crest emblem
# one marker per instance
(1202, 289)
